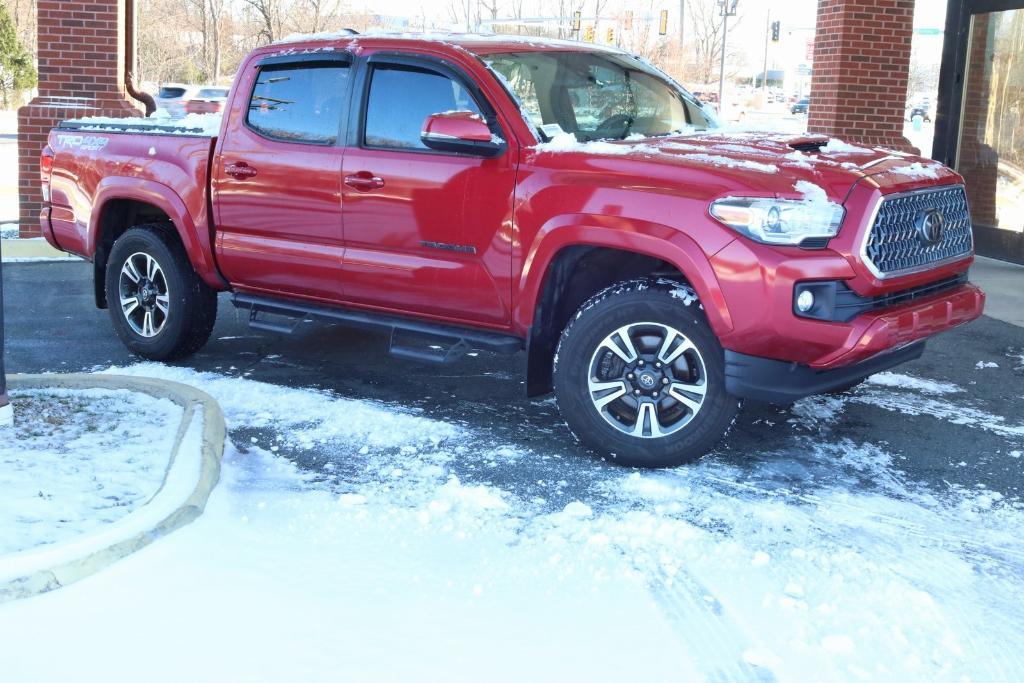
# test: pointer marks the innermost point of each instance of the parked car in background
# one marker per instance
(921, 109)
(489, 192)
(172, 98)
(207, 101)
(801, 106)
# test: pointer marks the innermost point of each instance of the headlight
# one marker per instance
(780, 221)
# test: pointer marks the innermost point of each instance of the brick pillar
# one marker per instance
(81, 73)
(861, 69)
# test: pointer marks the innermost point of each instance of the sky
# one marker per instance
(797, 18)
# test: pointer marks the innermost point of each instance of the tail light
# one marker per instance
(46, 171)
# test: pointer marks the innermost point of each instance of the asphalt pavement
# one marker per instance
(970, 435)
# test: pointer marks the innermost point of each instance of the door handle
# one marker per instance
(240, 170)
(364, 181)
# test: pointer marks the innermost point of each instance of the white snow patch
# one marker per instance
(984, 364)
(927, 386)
(306, 417)
(812, 192)
(189, 125)
(837, 146)
(77, 460)
(919, 170)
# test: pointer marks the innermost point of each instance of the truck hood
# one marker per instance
(764, 164)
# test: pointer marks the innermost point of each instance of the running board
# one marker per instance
(437, 342)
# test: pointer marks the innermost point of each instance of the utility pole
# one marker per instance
(682, 23)
(6, 411)
(728, 8)
(764, 72)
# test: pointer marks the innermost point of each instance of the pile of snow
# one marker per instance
(837, 146)
(919, 170)
(812, 192)
(80, 460)
(190, 124)
(818, 562)
(9, 231)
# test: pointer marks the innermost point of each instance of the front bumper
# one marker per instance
(776, 381)
(875, 342)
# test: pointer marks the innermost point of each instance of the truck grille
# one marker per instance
(898, 244)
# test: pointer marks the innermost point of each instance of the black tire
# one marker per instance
(627, 305)
(191, 304)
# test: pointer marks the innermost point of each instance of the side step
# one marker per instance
(409, 338)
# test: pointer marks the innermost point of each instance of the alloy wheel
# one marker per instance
(144, 295)
(647, 380)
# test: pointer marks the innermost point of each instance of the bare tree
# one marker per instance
(707, 33)
(268, 18)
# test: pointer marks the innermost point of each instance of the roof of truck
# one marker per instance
(477, 43)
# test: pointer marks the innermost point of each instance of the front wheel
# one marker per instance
(159, 306)
(640, 377)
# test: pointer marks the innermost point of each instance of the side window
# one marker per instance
(401, 99)
(299, 103)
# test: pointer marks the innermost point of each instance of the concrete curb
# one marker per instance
(31, 249)
(43, 569)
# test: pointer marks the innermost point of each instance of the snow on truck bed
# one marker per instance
(191, 125)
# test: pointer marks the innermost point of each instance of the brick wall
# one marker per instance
(861, 69)
(81, 73)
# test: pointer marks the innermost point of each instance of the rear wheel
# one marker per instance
(639, 376)
(159, 306)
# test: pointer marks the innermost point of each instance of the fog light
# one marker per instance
(805, 301)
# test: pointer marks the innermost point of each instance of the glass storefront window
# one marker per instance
(991, 150)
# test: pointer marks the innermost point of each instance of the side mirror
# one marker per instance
(462, 132)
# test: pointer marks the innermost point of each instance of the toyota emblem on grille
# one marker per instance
(931, 225)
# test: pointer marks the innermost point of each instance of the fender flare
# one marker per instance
(615, 232)
(195, 237)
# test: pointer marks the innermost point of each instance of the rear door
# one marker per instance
(426, 232)
(277, 178)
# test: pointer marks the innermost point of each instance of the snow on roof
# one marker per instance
(207, 125)
(453, 38)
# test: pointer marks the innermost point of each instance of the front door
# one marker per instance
(277, 179)
(981, 130)
(426, 232)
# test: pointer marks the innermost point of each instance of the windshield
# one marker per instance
(596, 95)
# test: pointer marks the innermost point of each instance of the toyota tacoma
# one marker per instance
(559, 199)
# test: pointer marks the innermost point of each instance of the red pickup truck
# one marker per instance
(560, 198)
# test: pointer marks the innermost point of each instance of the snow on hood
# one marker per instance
(813, 167)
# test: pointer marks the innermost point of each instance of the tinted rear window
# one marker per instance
(213, 92)
(171, 93)
(299, 103)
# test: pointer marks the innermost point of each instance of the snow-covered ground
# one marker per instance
(401, 557)
(79, 460)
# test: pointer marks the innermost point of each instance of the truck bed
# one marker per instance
(162, 162)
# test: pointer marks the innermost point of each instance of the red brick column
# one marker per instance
(861, 68)
(81, 73)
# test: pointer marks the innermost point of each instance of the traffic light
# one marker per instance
(776, 30)
(588, 34)
(609, 36)
(663, 23)
(576, 21)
